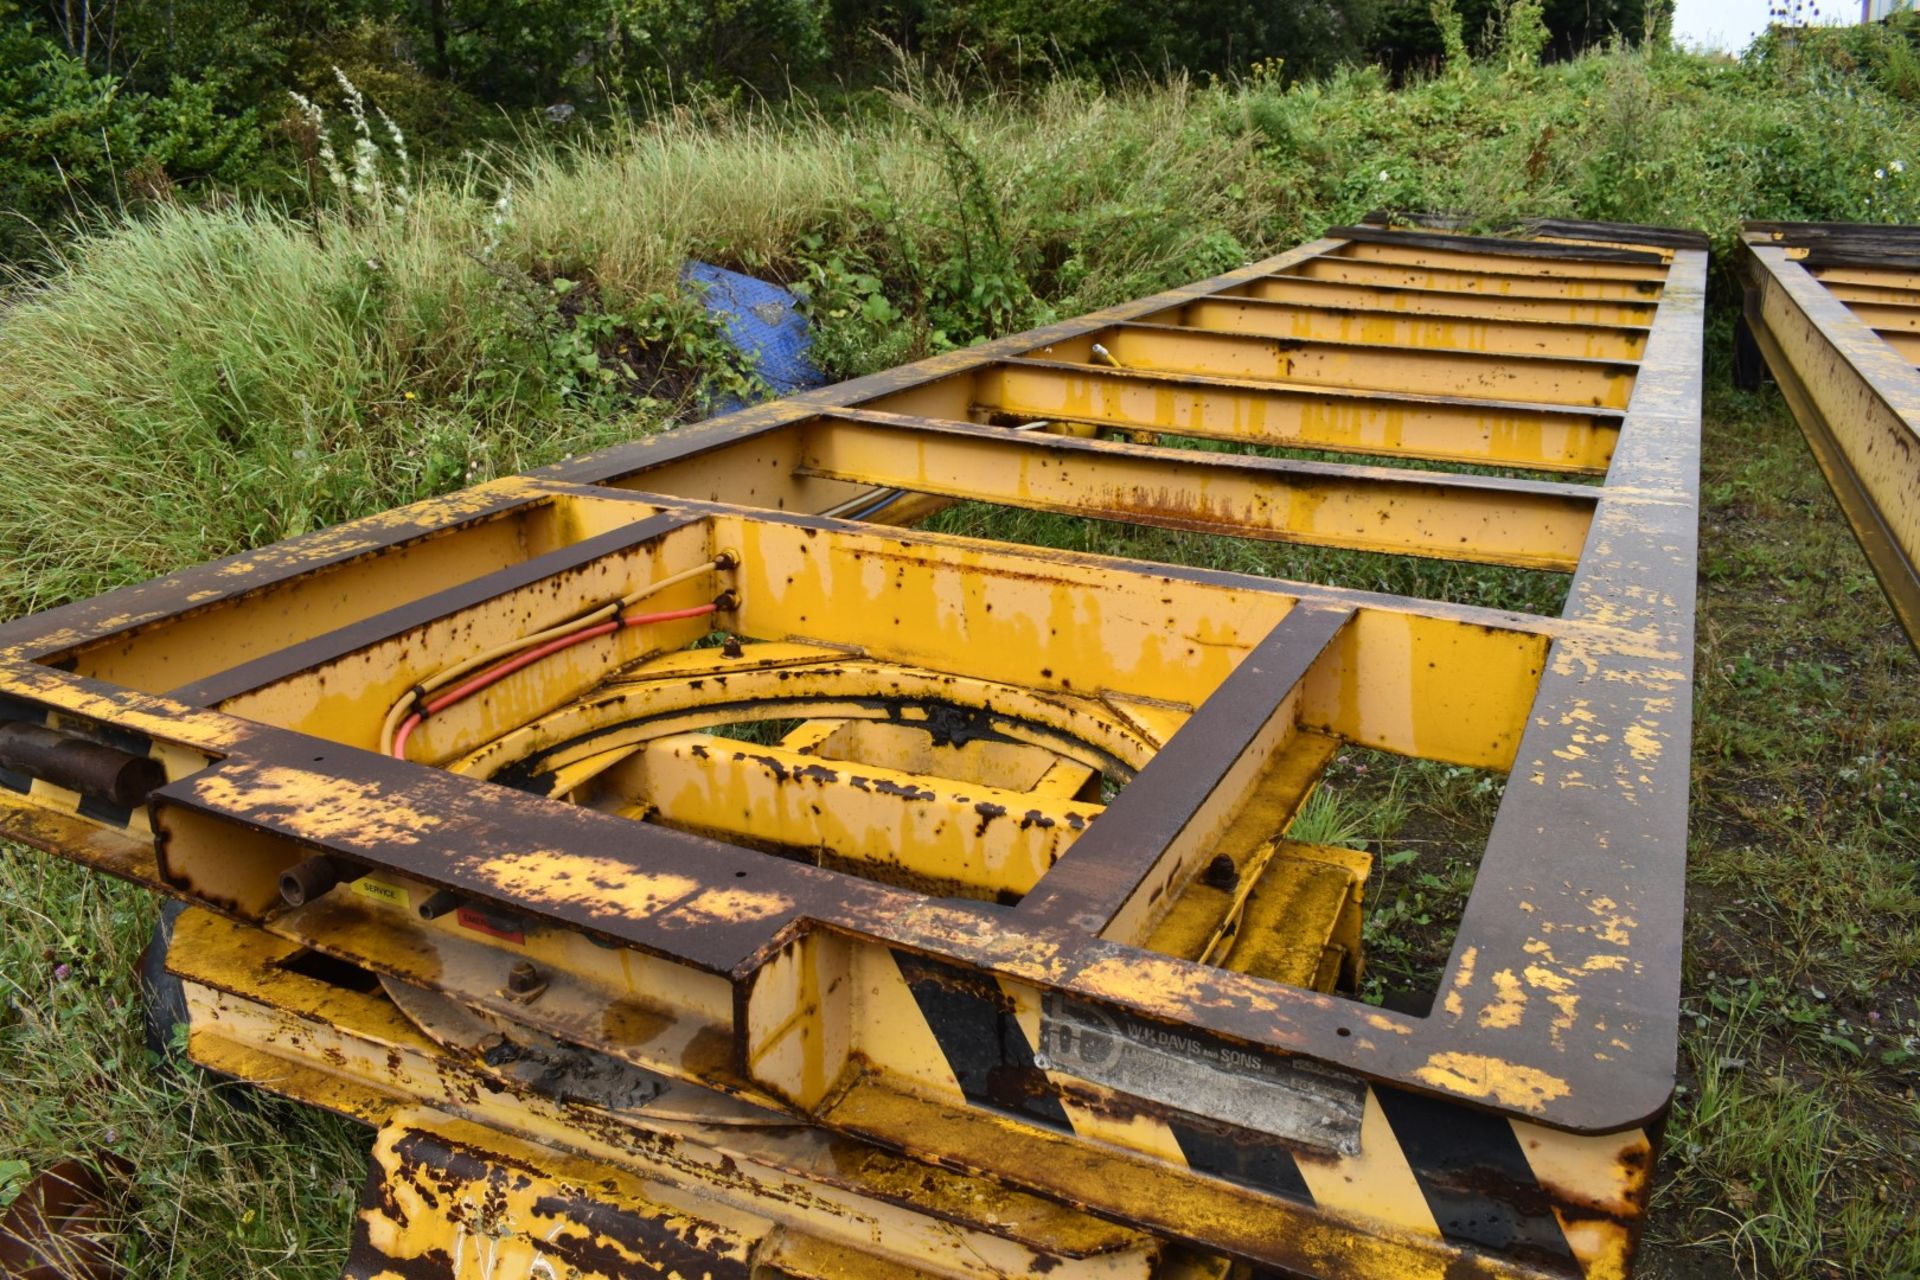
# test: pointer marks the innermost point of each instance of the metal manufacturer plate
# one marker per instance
(1291, 1099)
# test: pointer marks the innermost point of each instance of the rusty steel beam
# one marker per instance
(1352, 365)
(1387, 326)
(1483, 433)
(1122, 875)
(1559, 259)
(770, 827)
(1575, 269)
(1885, 317)
(1868, 269)
(1530, 524)
(1628, 319)
(621, 1180)
(1534, 524)
(965, 838)
(1464, 280)
(1854, 391)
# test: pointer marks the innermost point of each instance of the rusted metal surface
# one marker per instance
(116, 779)
(480, 1159)
(977, 852)
(1834, 310)
(65, 1223)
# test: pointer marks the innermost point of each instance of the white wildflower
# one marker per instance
(1898, 166)
(499, 219)
(317, 121)
(366, 167)
(1384, 175)
(400, 194)
(393, 132)
(356, 102)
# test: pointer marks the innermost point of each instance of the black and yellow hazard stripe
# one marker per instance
(973, 1022)
(92, 808)
(1458, 1156)
(1468, 1178)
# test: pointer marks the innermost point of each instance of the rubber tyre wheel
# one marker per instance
(163, 996)
(163, 999)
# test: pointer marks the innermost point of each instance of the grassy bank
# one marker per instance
(1793, 1151)
(209, 379)
(205, 380)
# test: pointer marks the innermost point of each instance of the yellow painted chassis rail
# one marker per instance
(1101, 994)
(1835, 312)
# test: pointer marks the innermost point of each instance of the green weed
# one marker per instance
(1326, 818)
(204, 380)
(262, 1188)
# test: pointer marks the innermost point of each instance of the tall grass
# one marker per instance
(203, 380)
(200, 380)
(630, 208)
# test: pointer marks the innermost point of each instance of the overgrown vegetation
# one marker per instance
(209, 375)
(110, 104)
(274, 374)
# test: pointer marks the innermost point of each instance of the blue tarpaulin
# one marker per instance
(763, 322)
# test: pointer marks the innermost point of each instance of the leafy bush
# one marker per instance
(73, 141)
(271, 373)
(1885, 53)
(117, 102)
(1415, 36)
(1151, 36)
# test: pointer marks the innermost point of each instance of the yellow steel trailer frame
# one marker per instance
(1834, 310)
(989, 954)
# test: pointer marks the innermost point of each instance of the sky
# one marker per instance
(1720, 24)
(1732, 24)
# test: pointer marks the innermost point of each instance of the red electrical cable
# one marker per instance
(494, 675)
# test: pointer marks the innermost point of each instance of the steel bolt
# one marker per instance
(1221, 873)
(732, 648)
(523, 977)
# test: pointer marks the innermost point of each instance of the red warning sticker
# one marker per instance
(477, 921)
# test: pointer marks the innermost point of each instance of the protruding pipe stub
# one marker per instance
(441, 902)
(93, 769)
(309, 878)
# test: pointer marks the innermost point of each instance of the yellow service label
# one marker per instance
(380, 891)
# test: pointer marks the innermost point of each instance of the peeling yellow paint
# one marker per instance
(1615, 927)
(1545, 979)
(1462, 980)
(1643, 742)
(1509, 1003)
(320, 807)
(601, 885)
(1476, 1075)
